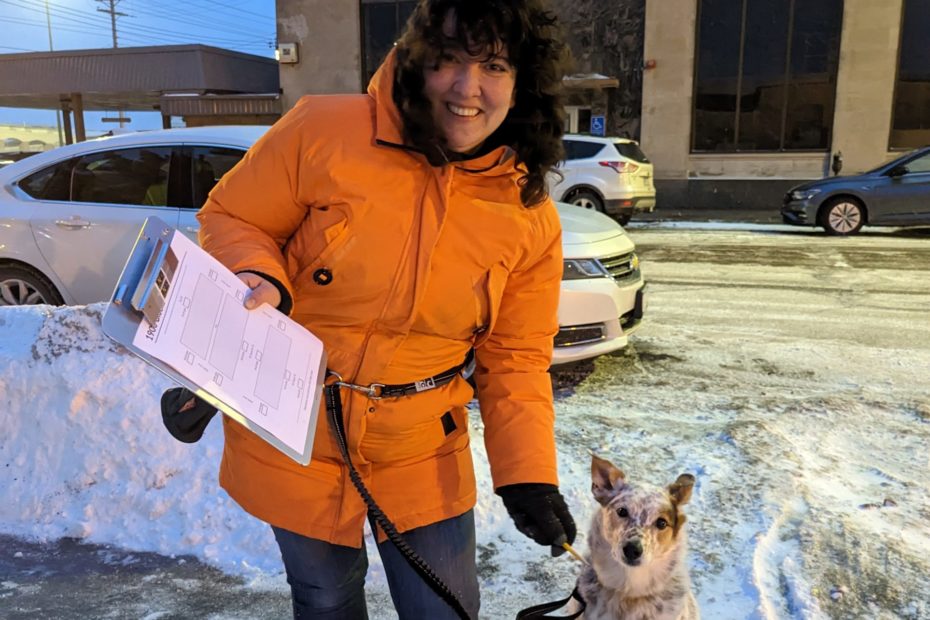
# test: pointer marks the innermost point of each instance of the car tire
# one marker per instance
(585, 199)
(842, 216)
(22, 286)
(624, 218)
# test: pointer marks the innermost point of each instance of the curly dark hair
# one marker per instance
(534, 126)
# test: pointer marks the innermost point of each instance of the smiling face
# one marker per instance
(469, 94)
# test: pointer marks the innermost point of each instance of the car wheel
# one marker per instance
(22, 286)
(623, 218)
(586, 199)
(842, 216)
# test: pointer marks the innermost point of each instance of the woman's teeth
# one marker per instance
(459, 111)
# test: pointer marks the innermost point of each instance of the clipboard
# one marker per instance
(146, 291)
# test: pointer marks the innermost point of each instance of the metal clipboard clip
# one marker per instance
(149, 272)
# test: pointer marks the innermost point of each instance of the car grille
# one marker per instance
(580, 334)
(620, 267)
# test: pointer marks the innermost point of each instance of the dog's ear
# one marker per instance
(605, 479)
(680, 490)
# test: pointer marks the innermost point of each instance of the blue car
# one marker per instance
(894, 194)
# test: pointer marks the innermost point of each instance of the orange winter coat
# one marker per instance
(426, 262)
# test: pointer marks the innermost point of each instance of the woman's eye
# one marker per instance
(497, 67)
(661, 524)
(623, 513)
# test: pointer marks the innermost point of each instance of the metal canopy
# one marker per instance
(131, 78)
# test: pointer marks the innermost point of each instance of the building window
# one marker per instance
(765, 74)
(382, 23)
(910, 126)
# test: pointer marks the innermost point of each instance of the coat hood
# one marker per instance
(389, 126)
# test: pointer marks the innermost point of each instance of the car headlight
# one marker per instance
(582, 268)
(804, 194)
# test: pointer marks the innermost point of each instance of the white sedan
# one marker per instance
(69, 217)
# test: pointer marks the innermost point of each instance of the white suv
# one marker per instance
(610, 175)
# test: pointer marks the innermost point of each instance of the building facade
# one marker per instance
(748, 97)
(733, 100)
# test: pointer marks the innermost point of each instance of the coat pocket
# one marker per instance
(323, 234)
(406, 430)
(494, 285)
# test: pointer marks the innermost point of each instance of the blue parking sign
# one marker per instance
(598, 125)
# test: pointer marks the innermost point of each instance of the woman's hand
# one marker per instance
(539, 512)
(263, 291)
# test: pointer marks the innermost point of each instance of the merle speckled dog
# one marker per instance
(637, 547)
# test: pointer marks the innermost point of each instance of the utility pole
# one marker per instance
(113, 14)
(51, 48)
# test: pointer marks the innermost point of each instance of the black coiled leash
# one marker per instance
(334, 410)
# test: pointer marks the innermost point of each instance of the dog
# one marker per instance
(637, 546)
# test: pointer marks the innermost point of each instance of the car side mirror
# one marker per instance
(898, 171)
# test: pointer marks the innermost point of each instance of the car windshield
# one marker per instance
(631, 150)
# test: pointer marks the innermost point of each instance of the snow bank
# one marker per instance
(85, 454)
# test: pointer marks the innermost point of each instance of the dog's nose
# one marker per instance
(633, 550)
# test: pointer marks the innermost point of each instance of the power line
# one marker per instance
(232, 8)
(80, 17)
(213, 22)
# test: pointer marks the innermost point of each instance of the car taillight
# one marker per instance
(620, 167)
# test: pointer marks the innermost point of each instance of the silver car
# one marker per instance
(69, 218)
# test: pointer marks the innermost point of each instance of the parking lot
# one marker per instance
(787, 370)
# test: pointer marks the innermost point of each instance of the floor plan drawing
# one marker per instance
(264, 369)
(273, 366)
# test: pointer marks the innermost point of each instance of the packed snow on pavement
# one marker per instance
(786, 371)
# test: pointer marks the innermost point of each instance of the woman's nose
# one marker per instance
(468, 79)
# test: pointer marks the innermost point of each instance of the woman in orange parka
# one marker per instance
(405, 227)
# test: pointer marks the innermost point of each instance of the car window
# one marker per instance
(631, 150)
(209, 164)
(51, 183)
(581, 150)
(128, 176)
(921, 164)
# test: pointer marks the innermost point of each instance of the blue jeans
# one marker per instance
(328, 581)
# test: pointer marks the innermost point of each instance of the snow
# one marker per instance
(787, 371)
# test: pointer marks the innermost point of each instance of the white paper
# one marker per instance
(258, 362)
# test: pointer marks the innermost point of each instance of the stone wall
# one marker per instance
(606, 36)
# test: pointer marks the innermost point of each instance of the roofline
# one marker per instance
(142, 49)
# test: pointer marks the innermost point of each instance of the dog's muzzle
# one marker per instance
(633, 552)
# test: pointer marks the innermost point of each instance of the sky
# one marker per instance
(243, 25)
(785, 370)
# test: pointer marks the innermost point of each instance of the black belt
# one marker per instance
(377, 391)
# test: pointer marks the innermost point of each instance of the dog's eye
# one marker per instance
(661, 524)
(623, 513)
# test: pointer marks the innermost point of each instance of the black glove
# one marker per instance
(185, 416)
(539, 512)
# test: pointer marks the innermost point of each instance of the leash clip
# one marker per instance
(372, 391)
